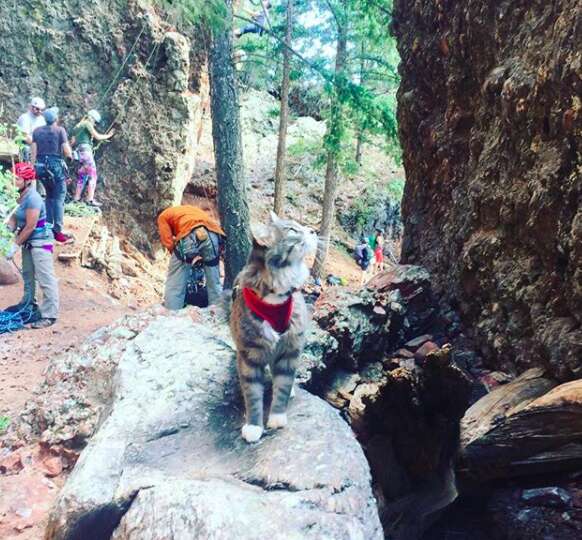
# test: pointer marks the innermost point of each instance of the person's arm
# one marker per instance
(98, 136)
(32, 215)
(33, 150)
(67, 152)
(22, 125)
(165, 230)
(65, 146)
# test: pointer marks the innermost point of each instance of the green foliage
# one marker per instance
(211, 12)
(80, 209)
(8, 197)
(305, 146)
(4, 423)
(274, 112)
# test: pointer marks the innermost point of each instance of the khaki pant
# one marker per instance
(37, 265)
(179, 272)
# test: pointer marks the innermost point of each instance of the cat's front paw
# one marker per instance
(292, 393)
(277, 421)
(251, 433)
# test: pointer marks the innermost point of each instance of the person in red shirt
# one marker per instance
(192, 236)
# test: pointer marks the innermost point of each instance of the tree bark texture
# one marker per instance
(331, 170)
(360, 129)
(281, 165)
(226, 134)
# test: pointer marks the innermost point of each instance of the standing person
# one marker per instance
(191, 235)
(363, 256)
(50, 145)
(29, 121)
(379, 251)
(84, 134)
(36, 241)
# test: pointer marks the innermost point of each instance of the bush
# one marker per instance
(8, 196)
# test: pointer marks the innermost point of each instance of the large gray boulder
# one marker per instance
(167, 460)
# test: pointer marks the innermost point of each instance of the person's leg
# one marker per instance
(80, 183)
(91, 176)
(176, 282)
(248, 29)
(49, 200)
(59, 205)
(28, 277)
(44, 272)
(209, 249)
(91, 185)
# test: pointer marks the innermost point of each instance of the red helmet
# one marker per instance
(24, 171)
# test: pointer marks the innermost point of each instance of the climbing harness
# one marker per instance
(196, 292)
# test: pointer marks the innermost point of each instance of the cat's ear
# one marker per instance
(261, 236)
(274, 218)
(257, 243)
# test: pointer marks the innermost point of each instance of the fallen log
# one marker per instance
(527, 427)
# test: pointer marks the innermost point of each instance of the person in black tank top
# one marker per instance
(50, 145)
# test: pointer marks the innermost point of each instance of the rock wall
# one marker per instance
(73, 54)
(490, 123)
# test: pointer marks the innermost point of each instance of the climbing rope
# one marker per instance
(12, 319)
(118, 73)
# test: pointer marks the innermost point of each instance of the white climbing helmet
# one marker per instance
(38, 103)
(95, 115)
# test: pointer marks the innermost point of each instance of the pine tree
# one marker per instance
(280, 167)
(217, 15)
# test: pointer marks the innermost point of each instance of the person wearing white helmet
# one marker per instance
(84, 134)
(29, 121)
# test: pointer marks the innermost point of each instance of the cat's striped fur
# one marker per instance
(275, 269)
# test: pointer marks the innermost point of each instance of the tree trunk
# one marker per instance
(360, 130)
(226, 134)
(280, 168)
(359, 145)
(331, 170)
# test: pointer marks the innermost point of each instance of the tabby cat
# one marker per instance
(269, 319)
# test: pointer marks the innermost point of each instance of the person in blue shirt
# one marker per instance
(35, 238)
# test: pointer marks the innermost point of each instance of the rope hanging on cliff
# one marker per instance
(118, 73)
(122, 108)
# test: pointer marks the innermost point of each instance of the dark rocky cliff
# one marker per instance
(490, 123)
(72, 53)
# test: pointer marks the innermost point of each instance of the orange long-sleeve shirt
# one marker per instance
(178, 221)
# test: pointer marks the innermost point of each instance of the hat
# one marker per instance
(95, 115)
(38, 103)
(51, 115)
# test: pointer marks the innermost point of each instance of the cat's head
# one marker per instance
(280, 247)
(285, 240)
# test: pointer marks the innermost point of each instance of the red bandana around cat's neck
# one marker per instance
(277, 315)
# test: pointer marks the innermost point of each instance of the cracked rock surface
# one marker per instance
(490, 120)
(167, 460)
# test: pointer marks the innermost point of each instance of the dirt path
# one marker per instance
(27, 494)
(24, 354)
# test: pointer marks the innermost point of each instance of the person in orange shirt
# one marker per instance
(192, 236)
